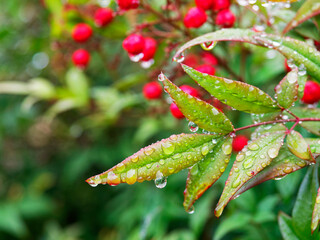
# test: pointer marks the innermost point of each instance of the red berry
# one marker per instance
(204, 4)
(205, 68)
(195, 18)
(150, 48)
(191, 60)
(152, 90)
(190, 90)
(128, 4)
(81, 32)
(317, 45)
(225, 18)
(209, 58)
(287, 68)
(176, 111)
(239, 142)
(133, 44)
(311, 92)
(81, 58)
(220, 5)
(103, 16)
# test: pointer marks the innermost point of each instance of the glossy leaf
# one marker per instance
(249, 162)
(309, 9)
(239, 95)
(313, 127)
(264, 129)
(158, 160)
(207, 171)
(314, 144)
(298, 51)
(299, 147)
(316, 213)
(287, 89)
(284, 164)
(301, 82)
(302, 211)
(264, 117)
(286, 228)
(201, 113)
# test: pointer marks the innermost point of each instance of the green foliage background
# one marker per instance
(43, 166)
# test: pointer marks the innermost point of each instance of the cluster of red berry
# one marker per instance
(311, 94)
(82, 32)
(197, 16)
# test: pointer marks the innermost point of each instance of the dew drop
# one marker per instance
(160, 180)
(121, 167)
(161, 77)
(253, 146)
(180, 58)
(222, 169)
(148, 151)
(191, 210)
(131, 176)
(207, 46)
(93, 184)
(236, 183)
(248, 163)
(272, 152)
(161, 162)
(227, 148)
(215, 111)
(239, 157)
(113, 179)
(194, 170)
(135, 159)
(167, 147)
(193, 127)
(205, 150)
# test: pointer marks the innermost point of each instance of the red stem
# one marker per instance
(278, 121)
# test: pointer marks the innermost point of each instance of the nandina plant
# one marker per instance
(275, 149)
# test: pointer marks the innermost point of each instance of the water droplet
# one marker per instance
(180, 58)
(193, 127)
(135, 159)
(161, 162)
(248, 163)
(272, 152)
(191, 210)
(253, 146)
(93, 184)
(250, 173)
(205, 150)
(287, 170)
(161, 77)
(214, 141)
(113, 179)
(239, 157)
(222, 169)
(131, 176)
(248, 153)
(167, 147)
(160, 180)
(171, 169)
(207, 46)
(227, 148)
(215, 111)
(148, 151)
(237, 182)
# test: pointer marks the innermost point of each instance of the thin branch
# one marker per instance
(278, 121)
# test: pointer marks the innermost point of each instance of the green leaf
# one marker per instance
(207, 171)
(264, 129)
(286, 228)
(316, 213)
(301, 82)
(234, 222)
(298, 51)
(302, 211)
(309, 9)
(249, 162)
(298, 146)
(287, 89)
(201, 113)
(284, 164)
(158, 160)
(313, 127)
(314, 144)
(239, 95)
(77, 83)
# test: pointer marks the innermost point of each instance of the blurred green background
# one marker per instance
(45, 159)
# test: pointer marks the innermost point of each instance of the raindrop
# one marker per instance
(135, 158)
(121, 167)
(205, 150)
(253, 146)
(215, 111)
(194, 170)
(227, 148)
(193, 127)
(161, 77)
(214, 141)
(93, 184)
(180, 58)
(236, 183)
(248, 163)
(240, 157)
(160, 180)
(168, 148)
(191, 210)
(207, 46)
(272, 152)
(148, 151)
(131, 176)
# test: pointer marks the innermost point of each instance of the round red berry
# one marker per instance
(317, 45)
(190, 90)
(81, 32)
(239, 142)
(287, 68)
(206, 68)
(103, 16)
(311, 92)
(191, 60)
(150, 48)
(152, 90)
(81, 58)
(220, 5)
(195, 18)
(133, 44)
(128, 4)
(225, 18)
(204, 4)
(176, 111)
(209, 58)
